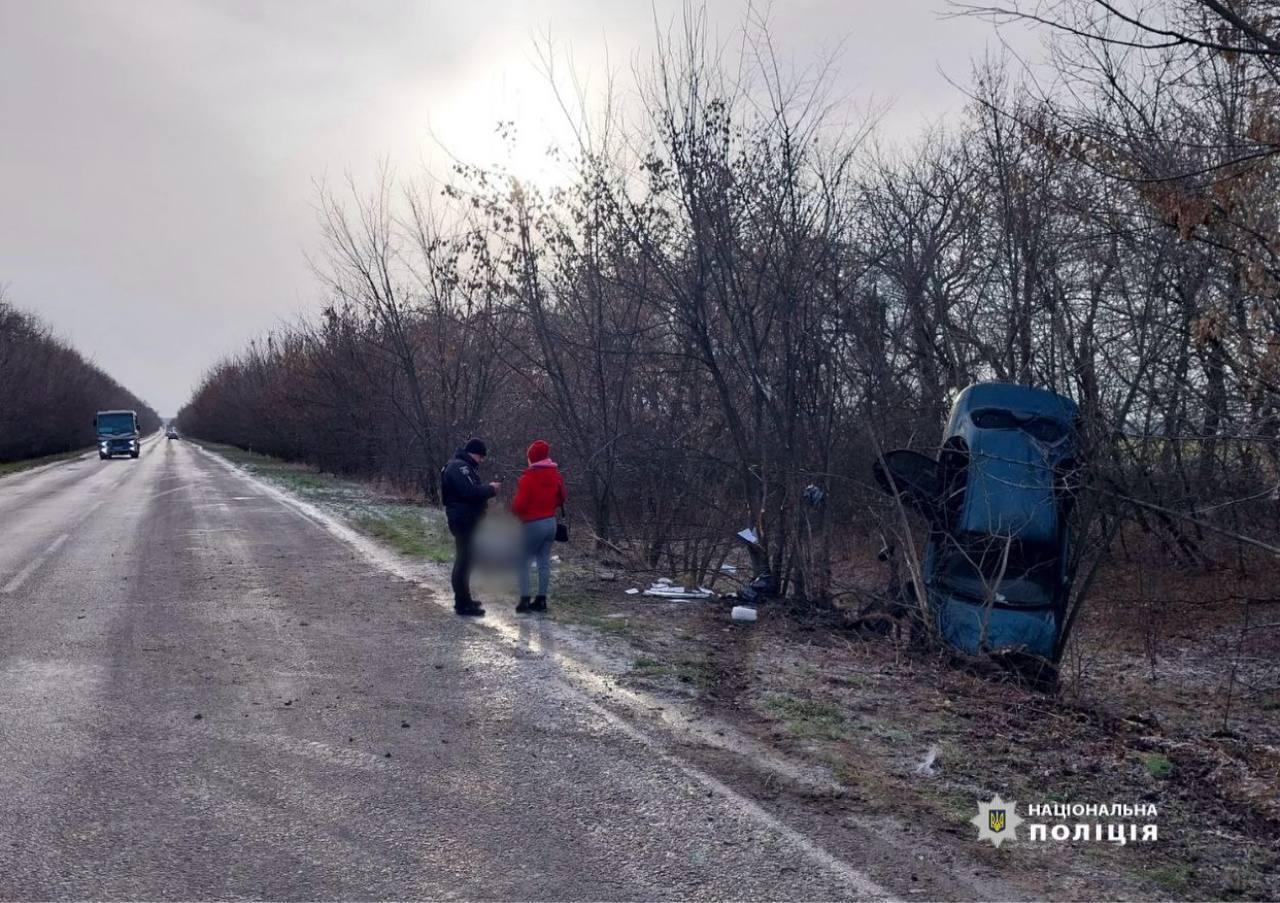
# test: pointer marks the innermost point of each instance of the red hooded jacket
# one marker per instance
(541, 488)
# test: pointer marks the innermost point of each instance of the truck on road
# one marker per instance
(117, 433)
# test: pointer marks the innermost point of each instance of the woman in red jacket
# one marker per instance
(538, 494)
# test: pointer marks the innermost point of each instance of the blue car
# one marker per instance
(997, 499)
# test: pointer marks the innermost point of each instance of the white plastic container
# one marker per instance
(743, 613)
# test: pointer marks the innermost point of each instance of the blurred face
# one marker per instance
(479, 459)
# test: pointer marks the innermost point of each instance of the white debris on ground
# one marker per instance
(679, 592)
(926, 766)
(634, 591)
(663, 588)
(743, 613)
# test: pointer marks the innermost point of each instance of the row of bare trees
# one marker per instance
(735, 295)
(49, 393)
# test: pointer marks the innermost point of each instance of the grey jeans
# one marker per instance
(539, 536)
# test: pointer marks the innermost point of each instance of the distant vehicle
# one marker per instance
(117, 433)
(171, 432)
(997, 500)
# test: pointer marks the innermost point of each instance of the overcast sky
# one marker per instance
(158, 157)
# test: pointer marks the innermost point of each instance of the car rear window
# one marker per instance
(1042, 429)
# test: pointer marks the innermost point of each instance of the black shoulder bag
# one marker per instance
(562, 527)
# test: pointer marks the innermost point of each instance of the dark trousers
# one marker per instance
(461, 578)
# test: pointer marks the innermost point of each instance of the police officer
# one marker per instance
(465, 498)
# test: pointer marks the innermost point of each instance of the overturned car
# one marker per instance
(997, 500)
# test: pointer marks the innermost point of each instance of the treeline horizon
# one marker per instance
(51, 392)
(738, 295)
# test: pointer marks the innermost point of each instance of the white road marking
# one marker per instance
(22, 575)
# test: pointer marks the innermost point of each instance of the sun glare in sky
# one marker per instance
(169, 154)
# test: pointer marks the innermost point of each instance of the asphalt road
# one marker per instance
(206, 694)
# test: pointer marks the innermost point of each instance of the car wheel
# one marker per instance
(102, 456)
(133, 454)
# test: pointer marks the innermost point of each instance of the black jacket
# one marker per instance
(463, 494)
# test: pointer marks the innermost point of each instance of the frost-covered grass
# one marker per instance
(696, 673)
(11, 467)
(414, 532)
(411, 529)
(573, 602)
(810, 719)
